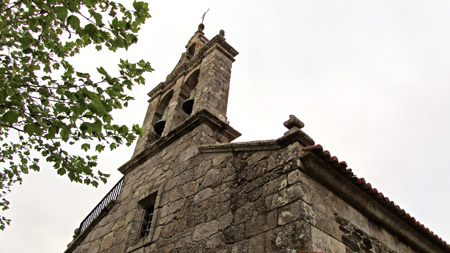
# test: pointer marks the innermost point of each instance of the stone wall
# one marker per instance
(249, 201)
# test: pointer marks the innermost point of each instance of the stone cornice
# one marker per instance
(201, 117)
(289, 138)
(240, 146)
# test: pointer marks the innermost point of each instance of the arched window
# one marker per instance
(188, 90)
(161, 112)
(191, 51)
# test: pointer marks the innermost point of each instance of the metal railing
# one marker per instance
(112, 195)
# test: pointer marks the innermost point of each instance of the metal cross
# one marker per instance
(204, 14)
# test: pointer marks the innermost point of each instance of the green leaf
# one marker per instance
(86, 127)
(97, 126)
(85, 146)
(102, 71)
(31, 129)
(137, 6)
(61, 12)
(35, 167)
(72, 176)
(99, 108)
(10, 117)
(73, 21)
(107, 118)
(73, 5)
(26, 40)
(99, 148)
(65, 133)
(51, 132)
(3, 95)
(97, 17)
(91, 30)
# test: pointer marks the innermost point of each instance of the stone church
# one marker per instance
(189, 188)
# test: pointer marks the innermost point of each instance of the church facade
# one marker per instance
(188, 188)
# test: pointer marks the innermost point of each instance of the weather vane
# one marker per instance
(204, 14)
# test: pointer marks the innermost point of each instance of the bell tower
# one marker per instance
(199, 82)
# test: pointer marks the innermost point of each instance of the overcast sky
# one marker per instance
(370, 80)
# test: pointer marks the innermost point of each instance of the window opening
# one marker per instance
(148, 204)
(147, 222)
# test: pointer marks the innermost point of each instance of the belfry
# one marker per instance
(199, 81)
(189, 188)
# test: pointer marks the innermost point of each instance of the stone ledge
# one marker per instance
(201, 117)
(240, 146)
(289, 138)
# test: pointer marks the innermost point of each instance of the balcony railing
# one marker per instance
(112, 195)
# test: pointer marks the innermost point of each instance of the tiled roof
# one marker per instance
(341, 167)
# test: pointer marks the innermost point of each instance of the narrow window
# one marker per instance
(147, 222)
(148, 204)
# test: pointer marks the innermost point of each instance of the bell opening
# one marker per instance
(159, 127)
(189, 103)
(187, 106)
(160, 124)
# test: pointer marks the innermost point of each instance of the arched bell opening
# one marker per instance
(191, 51)
(188, 91)
(161, 112)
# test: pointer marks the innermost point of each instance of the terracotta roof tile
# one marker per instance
(341, 167)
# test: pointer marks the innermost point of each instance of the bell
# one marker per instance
(189, 103)
(160, 124)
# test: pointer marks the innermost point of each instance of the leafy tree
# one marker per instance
(45, 104)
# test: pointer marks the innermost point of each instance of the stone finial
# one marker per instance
(293, 122)
(76, 231)
(222, 32)
(201, 27)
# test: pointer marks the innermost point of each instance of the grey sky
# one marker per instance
(370, 80)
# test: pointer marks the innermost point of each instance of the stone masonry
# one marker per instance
(211, 195)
